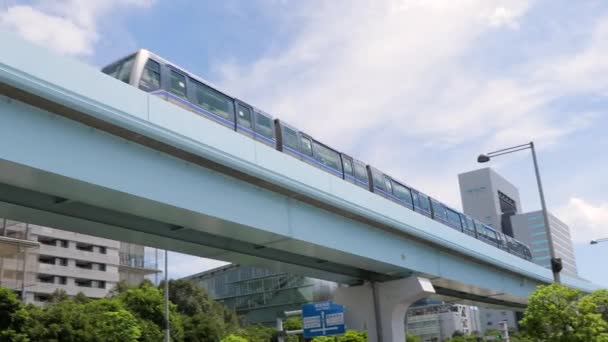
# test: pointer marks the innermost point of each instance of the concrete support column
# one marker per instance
(385, 303)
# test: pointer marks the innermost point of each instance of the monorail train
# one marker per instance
(158, 76)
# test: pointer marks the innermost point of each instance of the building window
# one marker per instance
(83, 282)
(84, 247)
(101, 284)
(62, 280)
(102, 267)
(43, 259)
(84, 265)
(63, 261)
(102, 250)
(41, 297)
(47, 241)
(45, 278)
(64, 243)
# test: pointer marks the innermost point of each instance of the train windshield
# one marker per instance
(121, 69)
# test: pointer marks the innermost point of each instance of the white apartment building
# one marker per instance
(63, 260)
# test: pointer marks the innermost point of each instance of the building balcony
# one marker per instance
(75, 272)
(136, 263)
(111, 257)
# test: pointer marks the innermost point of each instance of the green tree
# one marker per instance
(411, 338)
(94, 321)
(324, 339)
(596, 302)
(13, 318)
(258, 333)
(146, 303)
(204, 319)
(353, 336)
(556, 313)
(234, 338)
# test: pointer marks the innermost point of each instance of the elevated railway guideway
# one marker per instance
(85, 152)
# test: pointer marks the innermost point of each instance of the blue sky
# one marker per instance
(417, 88)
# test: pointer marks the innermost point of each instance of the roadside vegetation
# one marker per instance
(135, 314)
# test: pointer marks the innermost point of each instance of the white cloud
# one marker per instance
(404, 77)
(504, 17)
(586, 220)
(69, 27)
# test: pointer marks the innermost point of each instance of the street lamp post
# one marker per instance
(556, 263)
(596, 241)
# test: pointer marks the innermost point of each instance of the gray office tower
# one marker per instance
(529, 228)
(490, 198)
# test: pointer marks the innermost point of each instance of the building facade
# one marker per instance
(438, 322)
(490, 318)
(259, 295)
(530, 229)
(63, 260)
(489, 198)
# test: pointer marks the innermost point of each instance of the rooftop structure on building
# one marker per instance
(490, 198)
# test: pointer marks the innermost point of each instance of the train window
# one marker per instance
(178, 84)
(468, 224)
(244, 116)
(453, 218)
(421, 201)
(306, 146)
(388, 185)
(150, 77)
(361, 172)
(438, 210)
(326, 156)
(213, 101)
(347, 164)
(378, 180)
(264, 125)
(290, 138)
(402, 193)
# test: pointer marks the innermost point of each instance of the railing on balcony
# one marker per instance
(134, 260)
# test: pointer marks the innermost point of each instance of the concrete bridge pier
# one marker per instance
(386, 303)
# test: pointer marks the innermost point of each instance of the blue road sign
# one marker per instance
(323, 319)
